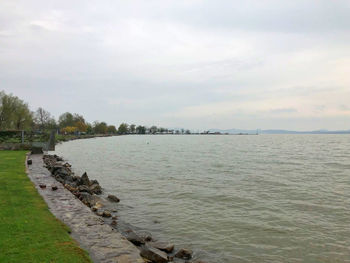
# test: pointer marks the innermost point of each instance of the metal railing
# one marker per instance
(45, 140)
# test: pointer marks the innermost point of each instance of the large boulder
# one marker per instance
(84, 180)
(93, 182)
(69, 178)
(64, 172)
(184, 253)
(88, 199)
(146, 236)
(164, 246)
(76, 178)
(59, 179)
(96, 189)
(84, 188)
(55, 167)
(134, 238)
(71, 188)
(154, 255)
(58, 158)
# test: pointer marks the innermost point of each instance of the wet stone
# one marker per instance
(154, 255)
(134, 238)
(166, 247)
(106, 213)
(184, 253)
(113, 198)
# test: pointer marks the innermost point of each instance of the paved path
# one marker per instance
(104, 244)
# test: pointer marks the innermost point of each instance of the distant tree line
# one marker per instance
(16, 115)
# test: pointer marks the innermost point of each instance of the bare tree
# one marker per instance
(44, 119)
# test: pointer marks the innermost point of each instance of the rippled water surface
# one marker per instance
(265, 198)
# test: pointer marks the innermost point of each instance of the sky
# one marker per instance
(194, 64)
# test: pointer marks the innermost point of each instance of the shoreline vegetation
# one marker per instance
(29, 232)
(15, 115)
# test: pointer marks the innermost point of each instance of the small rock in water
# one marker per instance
(54, 188)
(113, 198)
(114, 223)
(114, 217)
(99, 204)
(106, 213)
(67, 165)
(42, 186)
(29, 162)
(184, 253)
(99, 213)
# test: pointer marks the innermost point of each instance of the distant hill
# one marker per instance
(238, 131)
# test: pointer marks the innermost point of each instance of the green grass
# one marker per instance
(28, 230)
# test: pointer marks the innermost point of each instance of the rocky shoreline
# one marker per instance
(89, 192)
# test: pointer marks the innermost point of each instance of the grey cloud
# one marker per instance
(283, 110)
(272, 15)
(344, 107)
(143, 60)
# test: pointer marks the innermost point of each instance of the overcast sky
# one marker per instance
(191, 63)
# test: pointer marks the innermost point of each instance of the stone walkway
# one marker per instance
(104, 244)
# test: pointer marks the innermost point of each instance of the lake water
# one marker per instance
(265, 198)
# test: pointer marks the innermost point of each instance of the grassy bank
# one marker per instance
(28, 231)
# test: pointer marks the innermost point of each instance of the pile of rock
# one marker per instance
(88, 192)
(159, 252)
(81, 186)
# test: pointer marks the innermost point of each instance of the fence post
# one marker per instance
(51, 142)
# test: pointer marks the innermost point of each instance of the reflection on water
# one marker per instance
(266, 198)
